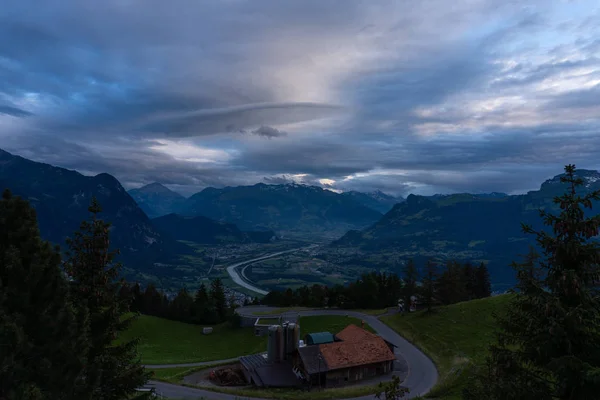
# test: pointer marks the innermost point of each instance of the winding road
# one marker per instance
(422, 373)
(235, 275)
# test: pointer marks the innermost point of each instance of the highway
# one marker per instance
(421, 377)
(238, 279)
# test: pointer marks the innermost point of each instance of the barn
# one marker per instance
(352, 355)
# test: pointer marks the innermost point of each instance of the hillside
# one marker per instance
(61, 198)
(207, 231)
(286, 209)
(462, 226)
(376, 200)
(456, 337)
(157, 200)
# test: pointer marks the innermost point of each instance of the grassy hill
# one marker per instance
(456, 337)
(163, 341)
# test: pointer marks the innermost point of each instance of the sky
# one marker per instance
(403, 96)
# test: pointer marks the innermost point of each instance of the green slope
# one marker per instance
(163, 341)
(456, 337)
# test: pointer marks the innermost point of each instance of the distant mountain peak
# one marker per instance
(590, 178)
(154, 187)
(156, 199)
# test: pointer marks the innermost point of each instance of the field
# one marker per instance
(296, 270)
(169, 342)
(456, 337)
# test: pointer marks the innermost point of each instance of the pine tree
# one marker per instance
(137, 303)
(42, 336)
(180, 309)
(217, 296)
(549, 343)
(483, 285)
(112, 371)
(429, 284)
(471, 282)
(410, 277)
(200, 306)
(451, 285)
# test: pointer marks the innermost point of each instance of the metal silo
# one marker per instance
(272, 344)
(284, 328)
(280, 345)
(296, 336)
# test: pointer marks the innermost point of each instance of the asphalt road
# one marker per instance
(235, 275)
(422, 373)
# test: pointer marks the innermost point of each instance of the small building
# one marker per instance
(356, 354)
(319, 338)
(325, 360)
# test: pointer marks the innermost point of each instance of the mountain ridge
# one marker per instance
(463, 226)
(61, 198)
(295, 209)
(156, 199)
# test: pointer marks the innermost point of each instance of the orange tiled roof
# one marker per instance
(353, 333)
(352, 353)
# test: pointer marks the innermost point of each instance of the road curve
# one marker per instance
(235, 275)
(422, 373)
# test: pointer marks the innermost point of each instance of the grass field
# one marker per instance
(169, 342)
(456, 337)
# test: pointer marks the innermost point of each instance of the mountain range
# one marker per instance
(286, 209)
(61, 198)
(475, 227)
(463, 226)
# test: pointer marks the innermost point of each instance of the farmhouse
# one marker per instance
(326, 360)
(353, 355)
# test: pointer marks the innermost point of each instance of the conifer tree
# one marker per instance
(180, 309)
(429, 283)
(200, 306)
(42, 336)
(483, 285)
(410, 276)
(112, 371)
(217, 296)
(470, 279)
(549, 343)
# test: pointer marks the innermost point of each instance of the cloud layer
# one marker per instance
(422, 97)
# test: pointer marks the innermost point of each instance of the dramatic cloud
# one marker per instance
(423, 97)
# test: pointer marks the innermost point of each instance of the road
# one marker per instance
(422, 373)
(235, 275)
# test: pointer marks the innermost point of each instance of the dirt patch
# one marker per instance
(230, 375)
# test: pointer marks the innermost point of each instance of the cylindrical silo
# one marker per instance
(296, 337)
(272, 344)
(280, 345)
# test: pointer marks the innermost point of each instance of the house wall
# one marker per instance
(344, 376)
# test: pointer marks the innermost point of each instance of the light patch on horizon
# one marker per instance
(189, 152)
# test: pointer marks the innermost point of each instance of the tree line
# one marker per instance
(59, 318)
(205, 307)
(432, 285)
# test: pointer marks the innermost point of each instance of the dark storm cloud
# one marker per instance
(268, 132)
(14, 111)
(401, 96)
